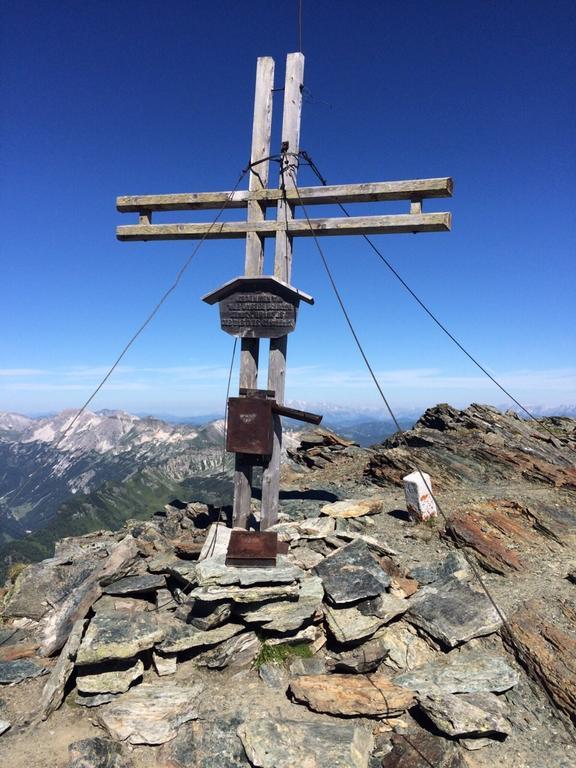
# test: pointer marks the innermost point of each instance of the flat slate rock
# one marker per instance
(466, 714)
(133, 584)
(214, 571)
(117, 680)
(238, 652)
(150, 714)
(206, 744)
(352, 508)
(164, 665)
(45, 584)
(238, 594)
(423, 750)
(453, 612)
(352, 695)
(182, 637)
(97, 753)
(271, 743)
(350, 624)
(351, 574)
(86, 700)
(108, 603)
(17, 671)
(441, 569)
(473, 672)
(118, 635)
(288, 615)
(405, 648)
(360, 659)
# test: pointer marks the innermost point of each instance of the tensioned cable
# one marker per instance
(426, 309)
(474, 569)
(226, 404)
(148, 319)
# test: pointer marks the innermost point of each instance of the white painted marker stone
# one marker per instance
(419, 501)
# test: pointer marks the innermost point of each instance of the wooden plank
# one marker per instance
(254, 263)
(230, 230)
(377, 191)
(282, 270)
(261, 131)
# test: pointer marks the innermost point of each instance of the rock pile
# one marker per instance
(319, 448)
(160, 641)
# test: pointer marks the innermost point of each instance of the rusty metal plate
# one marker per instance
(250, 426)
(251, 549)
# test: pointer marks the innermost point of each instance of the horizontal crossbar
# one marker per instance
(341, 193)
(229, 230)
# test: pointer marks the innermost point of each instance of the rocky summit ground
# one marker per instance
(371, 644)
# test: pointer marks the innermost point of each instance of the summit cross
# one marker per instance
(286, 199)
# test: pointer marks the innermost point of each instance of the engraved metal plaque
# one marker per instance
(257, 315)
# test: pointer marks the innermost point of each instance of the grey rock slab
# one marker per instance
(4, 725)
(42, 585)
(214, 571)
(441, 569)
(116, 680)
(53, 692)
(363, 658)
(349, 624)
(85, 700)
(473, 672)
(208, 615)
(315, 665)
(236, 653)
(108, 603)
(271, 743)
(164, 664)
(238, 594)
(422, 750)
(467, 714)
(134, 584)
(207, 744)
(275, 676)
(385, 607)
(352, 508)
(97, 753)
(453, 612)
(288, 615)
(182, 637)
(351, 574)
(118, 635)
(405, 649)
(150, 714)
(377, 545)
(17, 671)
(304, 557)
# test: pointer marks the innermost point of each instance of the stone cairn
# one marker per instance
(206, 663)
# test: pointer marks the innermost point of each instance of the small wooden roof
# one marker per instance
(260, 283)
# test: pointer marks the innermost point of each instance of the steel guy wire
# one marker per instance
(426, 309)
(508, 631)
(146, 322)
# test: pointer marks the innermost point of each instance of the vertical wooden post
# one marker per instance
(282, 270)
(254, 263)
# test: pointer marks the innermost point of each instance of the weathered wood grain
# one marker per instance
(370, 192)
(231, 230)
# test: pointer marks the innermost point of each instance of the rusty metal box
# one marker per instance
(251, 549)
(250, 426)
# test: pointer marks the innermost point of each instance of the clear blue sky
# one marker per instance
(107, 98)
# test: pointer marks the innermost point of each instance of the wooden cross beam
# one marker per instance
(287, 199)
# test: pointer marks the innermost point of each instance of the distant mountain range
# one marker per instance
(111, 467)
